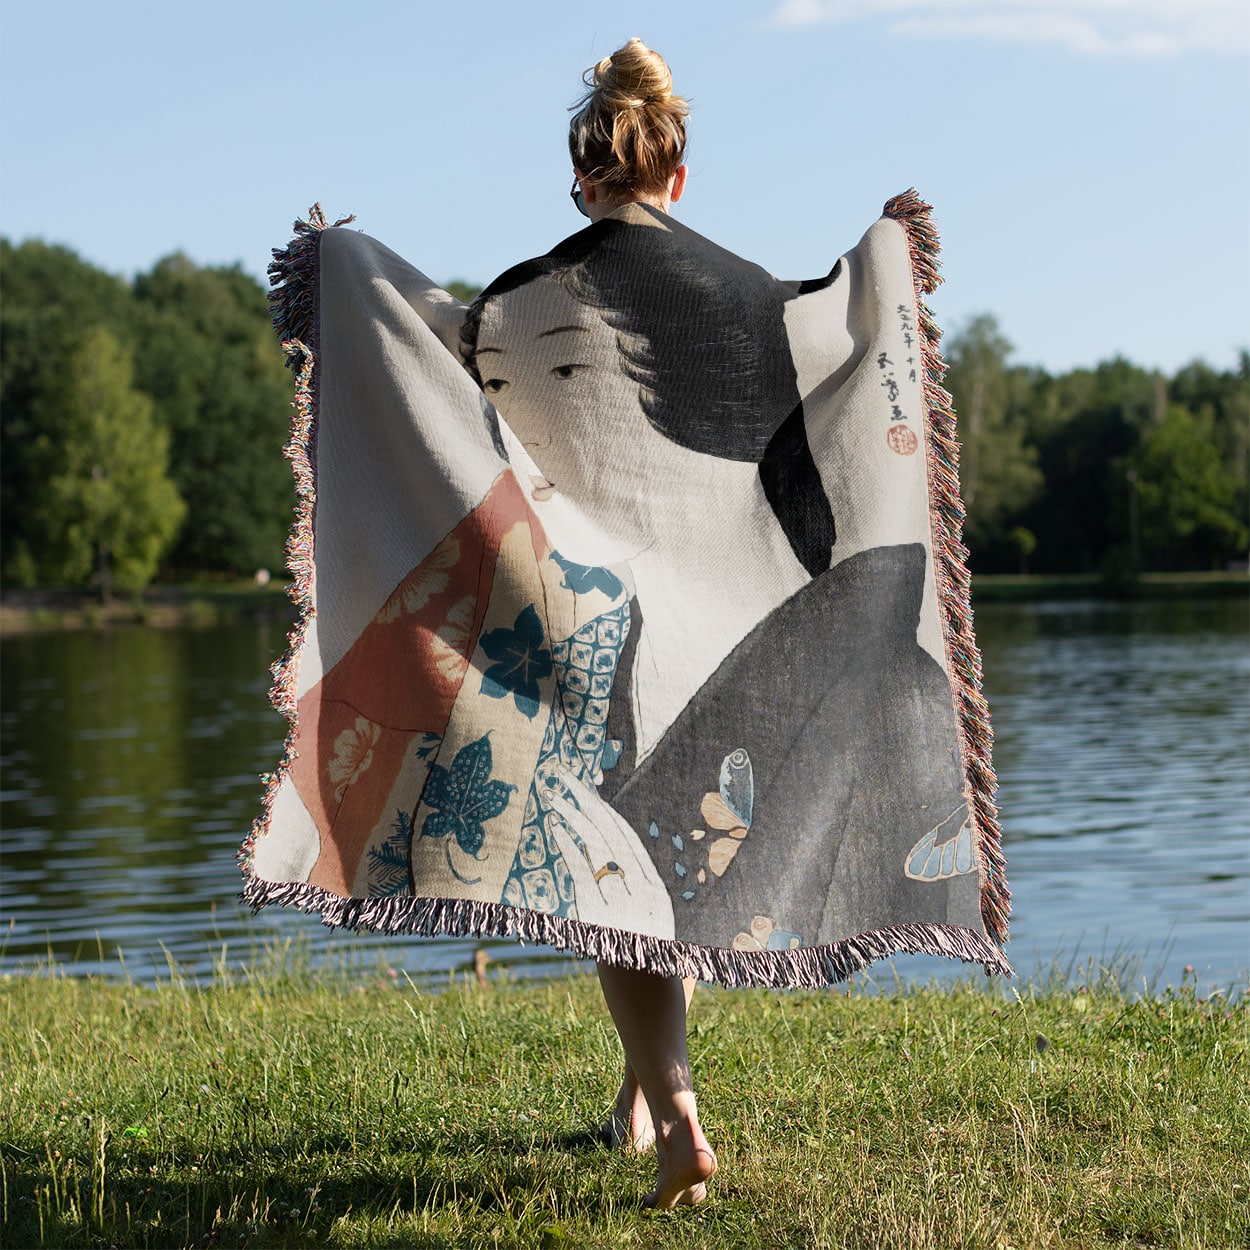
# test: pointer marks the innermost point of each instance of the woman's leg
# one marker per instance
(649, 1012)
(629, 1127)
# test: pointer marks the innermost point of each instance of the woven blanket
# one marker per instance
(634, 618)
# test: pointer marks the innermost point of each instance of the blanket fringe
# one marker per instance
(293, 307)
(951, 562)
(293, 279)
(807, 968)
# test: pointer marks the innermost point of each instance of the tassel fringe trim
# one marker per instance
(954, 583)
(293, 305)
(807, 968)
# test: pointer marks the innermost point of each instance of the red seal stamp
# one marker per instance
(902, 440)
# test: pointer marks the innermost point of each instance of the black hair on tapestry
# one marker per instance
(703, 334)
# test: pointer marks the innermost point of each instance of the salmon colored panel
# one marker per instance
(398, 680)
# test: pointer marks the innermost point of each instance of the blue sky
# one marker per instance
(1088, 159)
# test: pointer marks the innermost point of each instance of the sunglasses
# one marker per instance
(576, 196)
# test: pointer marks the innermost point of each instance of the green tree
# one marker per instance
(997, 466)
(208, 358)
(51, 297)
(1086, 424)
(1024, 543)
(1223, 399)
(1187, 494)
(464, 291)
(106, 510)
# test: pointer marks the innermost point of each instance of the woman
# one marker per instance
(650, 664)
(540, 341)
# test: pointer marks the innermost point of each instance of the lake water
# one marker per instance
(130, 762)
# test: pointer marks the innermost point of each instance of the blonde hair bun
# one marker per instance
(632, 77)
(629, 131)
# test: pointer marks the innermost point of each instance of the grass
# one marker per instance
(282, 1108)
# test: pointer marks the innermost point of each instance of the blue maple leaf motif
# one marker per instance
(582, 578)
(461, 799)
(521, 662)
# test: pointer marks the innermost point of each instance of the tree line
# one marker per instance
(1113, 470)
(143, 421)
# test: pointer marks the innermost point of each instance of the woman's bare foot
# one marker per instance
(649, 1012)
(686, 1165)
(629, 1126)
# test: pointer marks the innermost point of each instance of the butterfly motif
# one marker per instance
(737, 785)
(945, 851)
(729, 809)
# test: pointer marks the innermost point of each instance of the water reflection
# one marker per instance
(131, 758)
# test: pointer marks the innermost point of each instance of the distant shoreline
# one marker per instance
(195, 604)
(1013, 587)
(172, 606)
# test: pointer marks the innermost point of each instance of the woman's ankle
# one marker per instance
(687, 1163)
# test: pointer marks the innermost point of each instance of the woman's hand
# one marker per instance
(616, 883)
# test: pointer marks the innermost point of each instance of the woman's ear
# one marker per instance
(678, 185)
(588, 185)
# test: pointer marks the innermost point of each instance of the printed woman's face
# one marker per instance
(551, 366)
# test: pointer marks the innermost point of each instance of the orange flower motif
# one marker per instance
(450, 643)
(353, 753)
(428, 579)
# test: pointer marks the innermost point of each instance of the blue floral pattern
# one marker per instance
(575, 738)
(582, 578)
(521, 661)
(388, 871)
